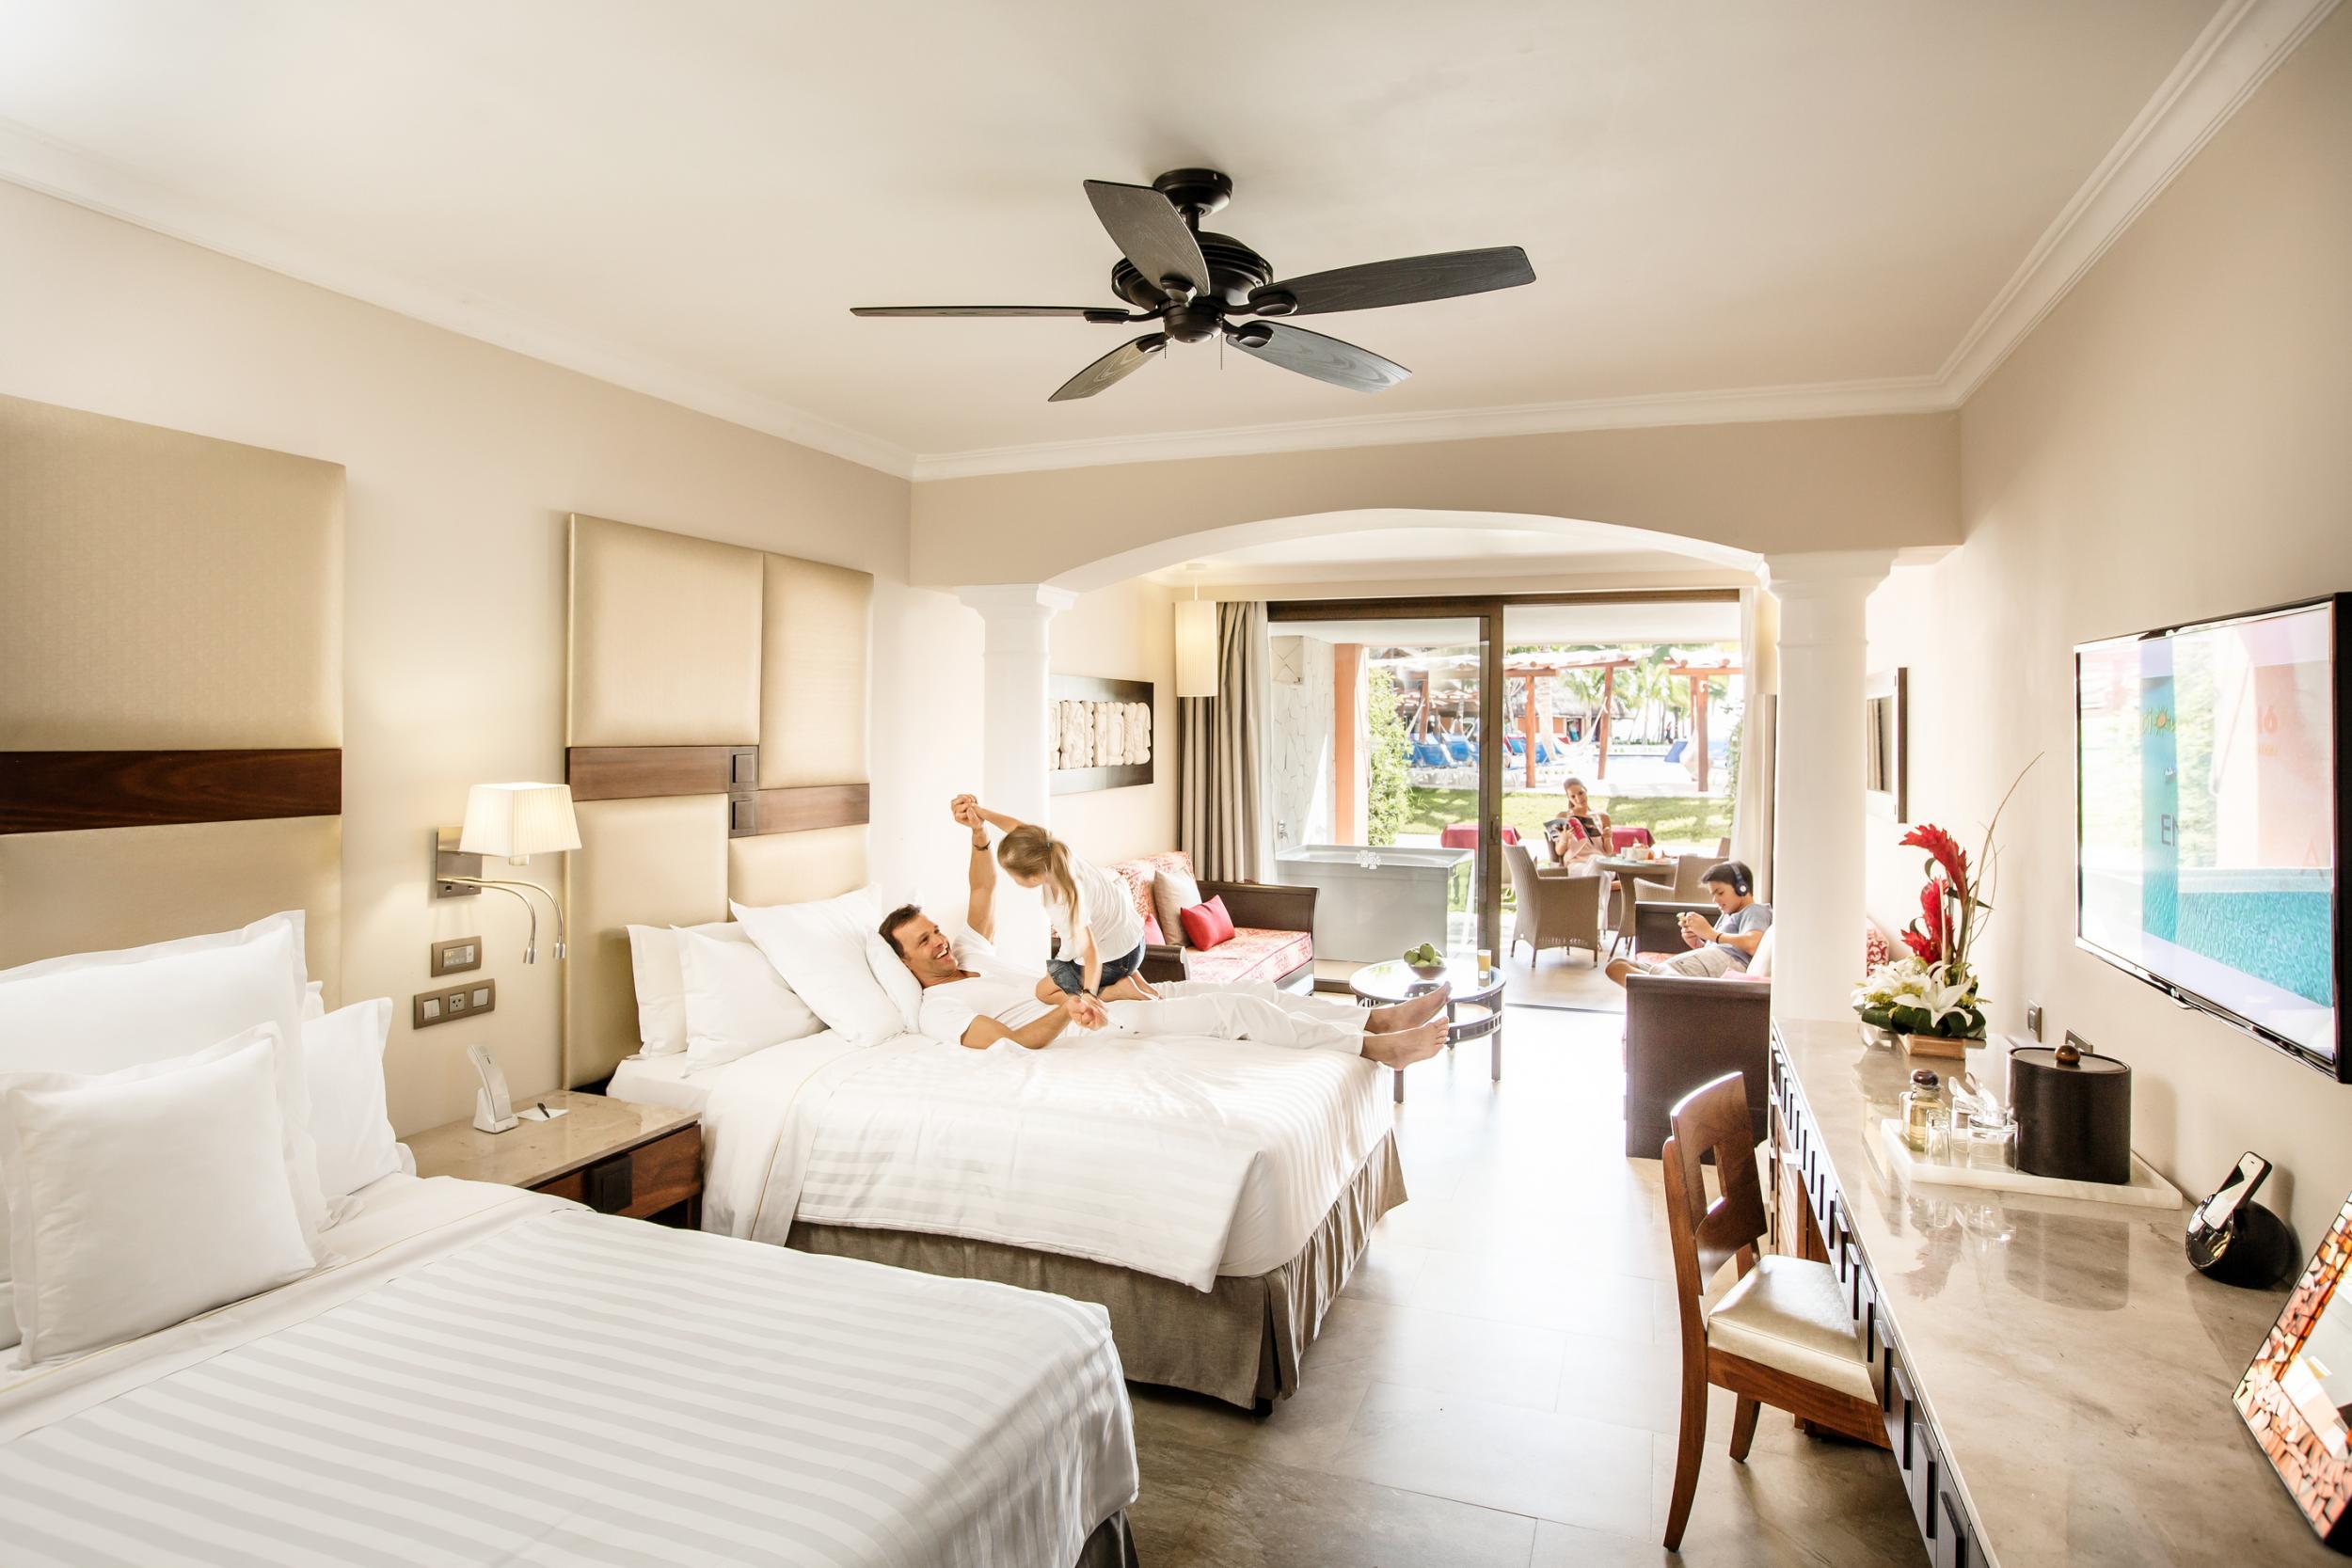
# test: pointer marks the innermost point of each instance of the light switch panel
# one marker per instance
(429, 1008)
(456, 955)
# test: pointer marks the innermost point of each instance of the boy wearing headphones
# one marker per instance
(1720, 947)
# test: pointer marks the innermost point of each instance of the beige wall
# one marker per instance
(1819, 484)
(1125, 632)
(2168, 445)
(463, 460)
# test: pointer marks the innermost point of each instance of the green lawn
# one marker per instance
(1692, 821)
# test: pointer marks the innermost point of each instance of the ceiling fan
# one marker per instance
(1194, 283)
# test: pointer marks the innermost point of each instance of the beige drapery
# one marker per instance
(1221, 793)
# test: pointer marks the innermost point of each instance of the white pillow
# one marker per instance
(824, 952)
(144, 1196)
(897, 981)
(1172, 893)
(98, 1012)
(313, 1001)
(735, 1002)
(342, 1056)
(661, 987)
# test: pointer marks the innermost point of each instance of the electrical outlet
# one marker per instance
(429, 1008)
(2033, 1018)
(458, 954)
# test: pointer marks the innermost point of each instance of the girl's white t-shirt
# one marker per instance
(1105, 906)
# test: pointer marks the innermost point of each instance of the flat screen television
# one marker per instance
(2208, 813)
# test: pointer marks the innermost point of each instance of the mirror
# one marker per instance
(2296, 1397)
(1886, 744)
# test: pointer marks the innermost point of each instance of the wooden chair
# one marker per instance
(1555, 909)
(1780, 1334)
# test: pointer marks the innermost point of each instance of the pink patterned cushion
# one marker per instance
(1137, 876)
(1250, 954)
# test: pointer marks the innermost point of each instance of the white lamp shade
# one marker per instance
(518, 819)
(1196, 648)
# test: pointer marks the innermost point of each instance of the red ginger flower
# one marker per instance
(1939, 845)
(1924, 935)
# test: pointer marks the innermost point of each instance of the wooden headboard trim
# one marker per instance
(47, 792)
(639, 772)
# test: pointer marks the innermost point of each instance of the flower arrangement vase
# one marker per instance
(1947, 1047)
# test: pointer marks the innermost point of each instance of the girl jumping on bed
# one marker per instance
(1097, 931)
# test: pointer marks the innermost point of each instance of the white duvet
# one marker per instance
(1185, 1158)
(497, 1377)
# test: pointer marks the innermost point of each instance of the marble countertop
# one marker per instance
(532, 1153)
(2079, 1369)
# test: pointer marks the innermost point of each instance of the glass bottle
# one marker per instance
(1924, 1115)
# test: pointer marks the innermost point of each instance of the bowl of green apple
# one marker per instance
(1425, 962)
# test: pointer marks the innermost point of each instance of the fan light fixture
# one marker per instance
(1190, 284)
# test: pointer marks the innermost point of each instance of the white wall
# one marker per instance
(1124, 632)
(2168, 446)
(463, 460)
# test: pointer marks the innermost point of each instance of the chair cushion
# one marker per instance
(1788, 1313)
(1252, 954)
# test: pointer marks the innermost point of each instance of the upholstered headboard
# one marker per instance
(717, 749)
(170, 686)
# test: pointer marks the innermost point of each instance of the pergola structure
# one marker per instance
(1698, 676)
(1523, 669)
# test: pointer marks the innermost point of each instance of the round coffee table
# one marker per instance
(1473, 1011)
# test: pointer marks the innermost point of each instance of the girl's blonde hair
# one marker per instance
(1029, 850)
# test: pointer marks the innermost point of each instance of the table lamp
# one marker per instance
(516, 820)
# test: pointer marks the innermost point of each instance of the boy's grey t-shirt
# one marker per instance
(1754, 917)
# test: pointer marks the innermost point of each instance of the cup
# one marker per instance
(1485, 963)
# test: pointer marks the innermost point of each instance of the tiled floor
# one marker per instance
(1499, 1383)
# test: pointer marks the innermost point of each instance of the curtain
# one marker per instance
(1751, 806)
(1221, 799)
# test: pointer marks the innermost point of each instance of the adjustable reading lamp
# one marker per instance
(516, 820)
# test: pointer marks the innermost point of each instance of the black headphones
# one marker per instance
(1736, 873)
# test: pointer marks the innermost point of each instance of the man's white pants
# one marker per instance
(1246, 1010)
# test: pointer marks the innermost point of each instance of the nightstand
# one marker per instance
(615, 1155)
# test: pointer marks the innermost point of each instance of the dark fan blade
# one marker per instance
(1408, 281)
(1117, 365)
(1091, 312)
(1295, 348)
(1150, 232)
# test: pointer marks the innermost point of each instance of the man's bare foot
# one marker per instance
(1619, 968)
(1412, 1012)
(1404, 1047)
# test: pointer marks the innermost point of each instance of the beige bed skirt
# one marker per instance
(1239, 1342)
(1111, 1545)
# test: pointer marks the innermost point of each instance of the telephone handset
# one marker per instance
(493, 1111)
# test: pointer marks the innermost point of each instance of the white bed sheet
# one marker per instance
(668, 1079)
(498, 1377)
(1186, 1158)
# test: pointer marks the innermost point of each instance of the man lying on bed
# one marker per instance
(975, 998)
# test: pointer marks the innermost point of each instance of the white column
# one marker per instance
(1818, 820)
(1015, 749)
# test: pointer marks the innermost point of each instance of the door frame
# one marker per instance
(1488, 610)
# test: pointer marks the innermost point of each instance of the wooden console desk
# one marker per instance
(2055, 1379)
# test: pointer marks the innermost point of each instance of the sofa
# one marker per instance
(1272, 936)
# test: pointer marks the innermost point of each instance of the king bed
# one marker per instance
(717, 759)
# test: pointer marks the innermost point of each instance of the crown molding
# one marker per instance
(53, 169)
(1828, 399)
(2246, 40)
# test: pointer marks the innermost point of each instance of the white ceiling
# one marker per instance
(1821, 195)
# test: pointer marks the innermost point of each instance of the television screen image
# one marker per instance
(2207, 817)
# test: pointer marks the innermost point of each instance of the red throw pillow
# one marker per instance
(1151, 932)
(1207, 924)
